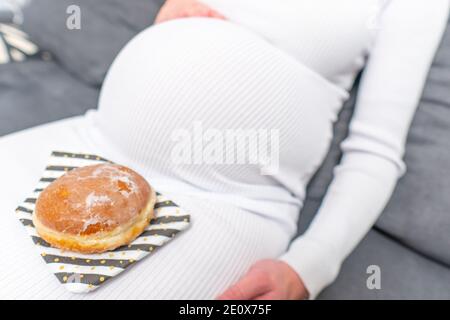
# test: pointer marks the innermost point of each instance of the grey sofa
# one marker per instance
(411, 240)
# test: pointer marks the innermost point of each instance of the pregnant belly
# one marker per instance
(188, 82)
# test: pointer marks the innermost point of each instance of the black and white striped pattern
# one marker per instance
(83, 273)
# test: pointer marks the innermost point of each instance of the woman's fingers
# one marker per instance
(201, 10)
(255, 283)
(267, 279)
(215, 14)
(272, 295)
(175, 9)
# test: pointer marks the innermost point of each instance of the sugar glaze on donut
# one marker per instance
(94, 209)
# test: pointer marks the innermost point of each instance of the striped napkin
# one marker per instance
(82, 273)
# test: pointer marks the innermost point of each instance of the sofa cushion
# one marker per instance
(404, 274)
(105, 27)
(35, 92)
(419, 212)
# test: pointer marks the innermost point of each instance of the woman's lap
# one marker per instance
(219, 247)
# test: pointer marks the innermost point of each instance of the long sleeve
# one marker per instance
(408, 36)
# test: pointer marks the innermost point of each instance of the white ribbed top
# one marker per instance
(330, 37)
(278, 70)
(209, 74)
(197, 69)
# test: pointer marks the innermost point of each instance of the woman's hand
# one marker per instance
(267, 280)
(175, 9)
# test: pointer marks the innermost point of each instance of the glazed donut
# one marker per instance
(94, 209)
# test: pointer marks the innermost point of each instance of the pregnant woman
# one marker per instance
(216, 66)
